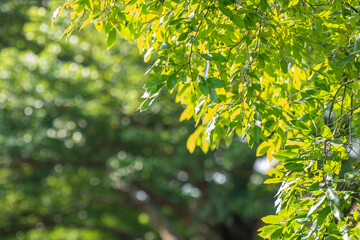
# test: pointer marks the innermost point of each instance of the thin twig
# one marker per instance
(326, 44)
(341, 110)
(351, 110)
(349, 122)
(333, 101)
(191, 47)
(349, 5)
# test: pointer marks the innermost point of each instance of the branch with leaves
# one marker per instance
(283, 97)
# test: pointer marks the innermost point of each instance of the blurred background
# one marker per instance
(77, 161)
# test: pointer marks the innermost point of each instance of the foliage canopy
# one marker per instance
(76, 161)
(282, 73)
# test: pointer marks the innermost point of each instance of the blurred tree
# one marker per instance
(78, 163)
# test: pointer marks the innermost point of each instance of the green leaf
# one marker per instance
(155, 81)
(194, 40)
(276, 235)
(269, 123)
(336, 142)
(146, 103)
(284, 155)
(343, 61)
(250, 20)
(176, 21)
(296, 167)
(316, 205)
(204, 89)
(214, 57)
(90, 5)
(207, 56)
(201, 80)
(323, 214)
(334, 230)
(334, 14)
(227, 12)
(182, 36)
(183, 78)
(213, 95)
(284, 66)
(263, 5)
(332, 238)
(215, 82)
(165, 45)
(172, 81)
(111, 38)
(238, 21)
(218, 57)
(357, 65)
(336, 211)
(108, 27)
(266, 231)
(257, 133)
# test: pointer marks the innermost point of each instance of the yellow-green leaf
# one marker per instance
(326, 132)
(148, 54)
(272, 219)
(89, 20)
(356, 215)
(99, 25)
(262, 149)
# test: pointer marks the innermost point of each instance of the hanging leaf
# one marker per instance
(172, 81)
(111, 39)
(284, 66)
(148, 54)
(213, 94)
(99, 25)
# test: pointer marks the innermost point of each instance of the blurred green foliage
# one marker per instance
(78, 162)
